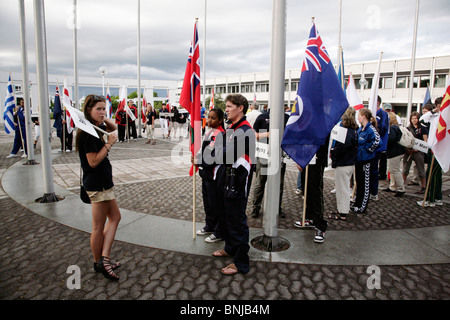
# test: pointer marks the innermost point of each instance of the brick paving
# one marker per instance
(35, 252)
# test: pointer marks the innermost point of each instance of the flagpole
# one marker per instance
(339, 31)
(139, 68)
(26, 91)
(413, 61)
(75, 54)
(204, 60)
(428, 182)
(271, 240)
(42, 80)
(305, 193)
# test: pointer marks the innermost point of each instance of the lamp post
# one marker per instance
(102, 71)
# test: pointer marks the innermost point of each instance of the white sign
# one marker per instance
(81, 122)
(262, 150)
(338, 133)
(166, 114)
(130, 113)
(420, 145)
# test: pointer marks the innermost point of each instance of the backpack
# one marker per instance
(407, 140)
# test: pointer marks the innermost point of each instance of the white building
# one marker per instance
(394, 83)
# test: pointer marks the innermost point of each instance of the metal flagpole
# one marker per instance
(204, 60)
(413, 61)
(75, 54)
(139, 68)
(26, 91)
(339, 32)
(44, 115)
(270, 240)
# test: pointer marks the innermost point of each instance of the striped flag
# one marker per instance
(10, 105)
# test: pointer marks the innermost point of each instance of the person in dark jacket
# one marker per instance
(212, 195)
(235, 175)
(343, 157)
(395, 154)
(368, 142)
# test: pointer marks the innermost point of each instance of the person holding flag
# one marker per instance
(319, 105)
(20, 137)
(98, 182)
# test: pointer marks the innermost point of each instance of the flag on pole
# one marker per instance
(67, 102)
(427, 98)
(57, 114)
(319, 104)
(10, 105)
(81, 122)
(373, 99)
(211, 104)
(341, 73)
(108, 103)
(352, 96)
(439, 140)
(190, 94)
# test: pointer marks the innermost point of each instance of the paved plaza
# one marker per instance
(396, 251)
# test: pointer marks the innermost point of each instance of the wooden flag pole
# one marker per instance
(428, 182)
(193, 202)
(305, 195)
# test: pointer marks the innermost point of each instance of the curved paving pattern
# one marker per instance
(37, 248)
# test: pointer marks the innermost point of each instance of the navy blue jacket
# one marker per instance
(368, 142)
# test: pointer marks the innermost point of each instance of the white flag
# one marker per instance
(373, 99)
(81, 122)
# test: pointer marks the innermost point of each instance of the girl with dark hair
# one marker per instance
(97, 180)
(212, 196)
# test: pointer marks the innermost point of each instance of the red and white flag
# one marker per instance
(190, 94)
(211, 104)
(352, 97)
(67, 102)
(439, 136)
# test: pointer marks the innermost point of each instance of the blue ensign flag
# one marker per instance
(10, 105)
(319, 104)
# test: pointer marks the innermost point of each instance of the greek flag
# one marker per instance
(10, 104)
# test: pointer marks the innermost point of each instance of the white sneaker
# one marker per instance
(298, 191)
(374, 197)
(12, 155)
(319, 237)
(439, 202)
(427, 204)
(212, 238)
(203, 232)
(333, 191)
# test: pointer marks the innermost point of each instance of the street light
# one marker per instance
(102, 71)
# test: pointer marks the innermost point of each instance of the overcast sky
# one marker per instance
(238, 34)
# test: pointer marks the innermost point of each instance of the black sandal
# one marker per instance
(337, 216)
(114, 266)
(106, 267)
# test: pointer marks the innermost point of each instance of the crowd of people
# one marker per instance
(227, 165)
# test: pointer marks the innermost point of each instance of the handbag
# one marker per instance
(83, 194)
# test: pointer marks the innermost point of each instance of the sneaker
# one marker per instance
(439, 202)
(374, 197)
(427, 204)
(212, 238)
(24, 155)
(298, 191)
(203, 232)
(308, 223)
(12, 155)
(319, 237)
(333, 191)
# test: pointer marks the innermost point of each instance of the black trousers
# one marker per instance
(121, 131)
(212, 202)
(314, 196)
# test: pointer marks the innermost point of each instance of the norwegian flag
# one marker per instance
(190, 94)
(319, 104)
(109, 110)
(67, 102)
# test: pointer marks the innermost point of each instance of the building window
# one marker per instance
(424, 81)
(387, 83)
(439, 80)
(402, 82)
(246, 88)
(294, 86)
